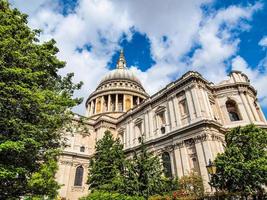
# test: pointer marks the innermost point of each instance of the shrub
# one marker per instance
(101, 195)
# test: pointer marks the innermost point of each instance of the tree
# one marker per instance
(191, 185)
(144, 175)
(107, 165)
(35, 103)
(243, 166)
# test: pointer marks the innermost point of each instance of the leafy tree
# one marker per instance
(243, 165)
(144, 175)
(107, 166)
(35, 103)
(191, 185)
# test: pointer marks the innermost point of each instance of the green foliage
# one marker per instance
(107, 166)
(34, 106)
(191, 186)
(144, 175)
(97, 195)
(243, 165)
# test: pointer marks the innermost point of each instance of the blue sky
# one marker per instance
(161, 39)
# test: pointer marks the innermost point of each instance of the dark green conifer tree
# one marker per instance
(107, 165)
(144, 175)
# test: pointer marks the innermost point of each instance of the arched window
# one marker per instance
(166, 162)
(232, 110)
(78, 176)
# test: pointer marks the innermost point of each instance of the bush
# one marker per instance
(101, 195)
(191, 186)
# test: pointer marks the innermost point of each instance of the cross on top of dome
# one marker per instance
(121, 64)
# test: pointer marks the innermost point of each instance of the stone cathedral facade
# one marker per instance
(183, 123)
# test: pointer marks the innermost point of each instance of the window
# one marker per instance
(166, 162)
(138, 129)
(121, 136)
(232, 110)
(161, 117)
(82, 149)
(162, 122)
(78, 176)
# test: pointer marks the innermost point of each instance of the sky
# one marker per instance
(161, 39)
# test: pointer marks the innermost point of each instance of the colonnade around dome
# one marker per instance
(119, 102)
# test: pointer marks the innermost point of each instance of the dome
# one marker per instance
(120, 73)
(119, 91)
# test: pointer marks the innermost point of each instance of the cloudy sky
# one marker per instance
(162, 39)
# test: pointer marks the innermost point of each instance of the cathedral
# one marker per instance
(184, 123)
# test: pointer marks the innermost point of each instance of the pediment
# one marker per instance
(160, 109)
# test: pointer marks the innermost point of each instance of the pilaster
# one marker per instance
(190, 104)
(196, 101)
(171, 113)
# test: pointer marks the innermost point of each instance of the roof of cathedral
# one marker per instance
(121, 72)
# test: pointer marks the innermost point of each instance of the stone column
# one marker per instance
(179, 163)
(248, 115)
(138, 100)
(167, 119)
(171, 113)
(146, 125)
(173, 163)
(185, 161)
(127, 135)
(190, 105)
(131, 101)
(102, 103)
(116, 103)
(206, 100)
(150, 120)
(109, 103)
(202, 164)
(253, 108)
(176, 111)
(95, 105)
(123, 103)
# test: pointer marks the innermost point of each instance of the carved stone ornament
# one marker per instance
(216, 138)
(189, 142)
(201, 138)
(168, 148)
(179, 144)
(77, 188)
(65, 162)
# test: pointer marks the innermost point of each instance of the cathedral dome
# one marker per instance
(119, 91)
(122, 74)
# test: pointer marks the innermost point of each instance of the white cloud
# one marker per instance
(218, 41)
(173, 28)
(263, 42)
